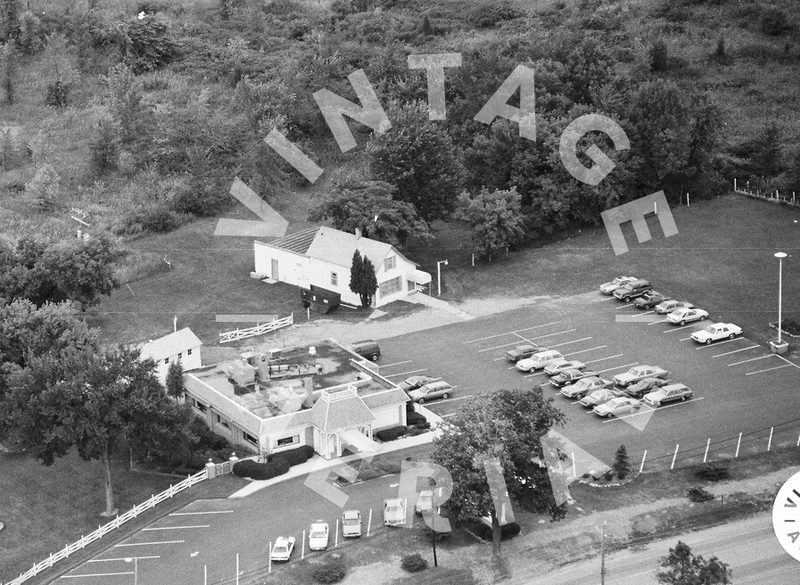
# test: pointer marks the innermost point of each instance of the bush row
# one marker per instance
(391, 433)
(293, 456)
(255, 470)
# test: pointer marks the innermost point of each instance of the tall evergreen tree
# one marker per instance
(622, 465)
(174, 381)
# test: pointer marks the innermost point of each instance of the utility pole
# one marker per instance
(603, 555)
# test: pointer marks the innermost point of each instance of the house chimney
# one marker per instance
(175, 324)
(358, 232)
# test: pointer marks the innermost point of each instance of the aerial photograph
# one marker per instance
(400, 292)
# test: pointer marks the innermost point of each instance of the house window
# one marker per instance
(389, 287)
(199, 405)
(288, 441)
(334, 279)
(188, 352)
(390, 263)
(180, 356)
(166, 360)
(222, 421)
(250, 438)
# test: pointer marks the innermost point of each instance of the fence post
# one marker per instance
(643, 458)
(708, 444)
(739, 443)
(674, 457)
(734, 183)
(769, 443)
(574, 470)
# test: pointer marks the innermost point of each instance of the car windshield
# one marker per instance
(392, 508)
(280, 548)
(318, 534)
(351, 521)
(709, 329)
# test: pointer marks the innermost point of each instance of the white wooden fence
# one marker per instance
(228, 336)
(115, 523)
(775, 196)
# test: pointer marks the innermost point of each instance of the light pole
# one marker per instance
(135, 561)
(439, 275)
(780, 256)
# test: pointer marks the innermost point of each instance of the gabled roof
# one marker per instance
(340, 410)
(171, 344)
(334, 246)
(391, 396)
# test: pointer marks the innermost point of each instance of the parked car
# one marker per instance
(608, 288)
(649, 300)
(351, 523)
(282, 549)
(439, 389)
(367, 348)
(642, 387)
(637, 373)
(584, 386)
(394, 512)
(523, 351)
(617, 406)
(570, 376)
(630, 290)
(559, 366)
(669, 393)
(539, 360)
(666, 307)
(716, 331)
(684, 316)
(415, 382)
(318, 535)
(599, 397)
(424, 502)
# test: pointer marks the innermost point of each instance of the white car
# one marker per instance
(684, 316)
(394, 512)
(424, 502)
(559, 366)
(716, 331)
(617, 406)
(539, 360)
(282, 549)
(608, 288)
(318, 535)
(351, 523)
(638, 373)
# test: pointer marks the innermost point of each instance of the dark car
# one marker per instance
(642, 387)
(649, 300)
(415, 382)
(522, 351)
(633, 289)
(569, 376)
(368, 349)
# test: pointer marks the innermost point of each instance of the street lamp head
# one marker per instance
(780, 255)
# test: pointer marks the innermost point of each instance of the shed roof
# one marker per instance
(297, 242)
(171, 344)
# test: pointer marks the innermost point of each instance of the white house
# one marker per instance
(182, 346)
(322, 256)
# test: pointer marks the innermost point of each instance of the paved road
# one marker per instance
(748, 546)
(739, 386)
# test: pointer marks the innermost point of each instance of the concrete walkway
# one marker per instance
(429, 301)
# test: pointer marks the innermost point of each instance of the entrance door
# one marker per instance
(274, 269)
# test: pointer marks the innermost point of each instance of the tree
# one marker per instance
(104, 149)
(418, 158)
(682, 567)
(496, 219)
(767, 152)
(90, 399)
(370, 207)
(8, 52)
(622, 466)
(659, 56)
(11, 25)
(363, 281)
(507, 425)
(43, 188)
(124, 100)
(174, 381)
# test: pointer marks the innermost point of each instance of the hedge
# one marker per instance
(413, 418)
(414, 563)
(293, 456)
(255, 470)
(391, 433)
(331, 572)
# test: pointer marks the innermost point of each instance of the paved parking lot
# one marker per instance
(739, 386)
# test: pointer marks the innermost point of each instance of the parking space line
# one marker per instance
(609, 298)
(763, 357)
(618, 367)
(395, 364)
(148, 543)
(704, 346)
(655, 322)
(626, 306)
(568, 342)
(541, 373)
(516, 341)
(95, 575)
(448, 415)
(404, 373)
(201, 513)
(767, 370)
(153, 528)
(122, 559)
(735, 351)
(446, 400)
(585, 350)
(685, 339)
(790, 362)
(679, 328)
(604, 358)
(510, 332)
(651, 410)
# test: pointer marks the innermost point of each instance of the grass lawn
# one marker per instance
(46, 508)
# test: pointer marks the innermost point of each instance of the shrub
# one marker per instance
(391, 433)
(414, 418)
(331, 572)
(414, 563)
(254, 470)
(700, 495)
(293, 456)
(484, 532)
(159, 220)
(712, 473)
(773, 22)
(659, 56)
(200, 200)
(490, 13)
(149, 7)
(151, 45)
(56, 94)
